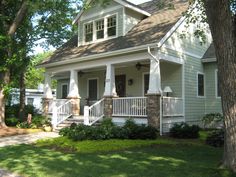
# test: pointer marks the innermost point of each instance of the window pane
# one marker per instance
(93, 89)
(200, 85)
(111, 26)
(100, 29)
(88, 32)
(64, 91)
(146, 83)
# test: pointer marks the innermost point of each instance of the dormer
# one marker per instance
(102, 22)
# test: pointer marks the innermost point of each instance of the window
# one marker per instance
(89, 32)
(93, 89)
(30, 101)
(111, 26)
(217, 85)
(64, 91)
(200, 78)
(146, 83)
(100, 29)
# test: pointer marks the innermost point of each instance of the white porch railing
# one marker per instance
(57, 103)
(172, 106)
(61, 113)
(94, 113)
(130, 106)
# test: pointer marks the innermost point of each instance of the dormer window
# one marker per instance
(89, 32)
(111, 26)
(100, 29)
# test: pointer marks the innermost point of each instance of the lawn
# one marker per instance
(122, 158)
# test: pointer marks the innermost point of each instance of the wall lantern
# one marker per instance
(130, 82)
(167, 90)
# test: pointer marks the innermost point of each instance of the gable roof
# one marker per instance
(125, 3)
(210, 53)
(148, 31)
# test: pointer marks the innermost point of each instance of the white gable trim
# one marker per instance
(125, 4)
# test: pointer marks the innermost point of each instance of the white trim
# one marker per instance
(204, 86)
(119, 2)
(208, 60)
(143, 82)
(216, 84)
(93, 78)
(106, 37)
(96, 56)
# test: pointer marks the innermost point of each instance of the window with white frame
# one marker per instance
(88, 32)
(30, 101)
(93, 89)
(217, 85)
(200, 87)
(111, 26)
(100, 29)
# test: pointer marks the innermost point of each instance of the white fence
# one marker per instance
(130, 106)
(61, 112)
(94, 113)
(172, 106)
(56, 103)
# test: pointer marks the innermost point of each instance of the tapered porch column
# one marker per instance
(74, 93)
(154, 93)
(110, 90)
(47, 97)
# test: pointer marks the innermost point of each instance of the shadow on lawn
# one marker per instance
(161, 161)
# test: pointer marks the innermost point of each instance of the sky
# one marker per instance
(39, 49)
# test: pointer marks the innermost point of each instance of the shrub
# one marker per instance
(215, 138)
(107, 130)
(183, 130)
(37, 122)
(209, 120)
(11, 121)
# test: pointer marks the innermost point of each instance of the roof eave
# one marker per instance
(208, 60)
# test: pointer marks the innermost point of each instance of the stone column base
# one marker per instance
(75, 103)
(46, 102)
(153, 110)
(108, 106)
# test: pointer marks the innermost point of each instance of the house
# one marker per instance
(32, 97)
(132, 61)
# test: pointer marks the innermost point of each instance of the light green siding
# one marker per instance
(131, 19)
(213, 103)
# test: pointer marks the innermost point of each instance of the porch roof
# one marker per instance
(150, 30)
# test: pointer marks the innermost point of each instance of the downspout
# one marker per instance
(153, 57)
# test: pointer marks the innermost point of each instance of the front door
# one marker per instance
(121, 85)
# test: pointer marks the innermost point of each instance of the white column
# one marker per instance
(73, 88)
(110, 86)
(155, 77)
(47, 87)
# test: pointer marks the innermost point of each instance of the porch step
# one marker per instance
(68, 122)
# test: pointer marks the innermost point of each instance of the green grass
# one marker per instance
(122, 158)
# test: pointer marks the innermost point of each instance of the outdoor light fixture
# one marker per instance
(167, 90)
(130, 82)
(139, 66)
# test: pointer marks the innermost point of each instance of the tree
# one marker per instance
(222, 21)
(50, 20)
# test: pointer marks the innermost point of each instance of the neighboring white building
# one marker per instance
(32, 97)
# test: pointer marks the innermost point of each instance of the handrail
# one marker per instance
(94, 113)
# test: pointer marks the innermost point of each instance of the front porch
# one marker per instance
(119, 91)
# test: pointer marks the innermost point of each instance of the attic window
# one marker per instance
(111, 26)
(100, 29)
(89, 32)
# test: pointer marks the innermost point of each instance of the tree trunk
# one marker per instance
(22, 97)
(5, 77)
(223, 29)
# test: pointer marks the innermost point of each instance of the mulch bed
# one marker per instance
(9, 131)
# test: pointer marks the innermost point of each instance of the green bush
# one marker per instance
(37, 122)
(215, 138)
(13, 111)
(107, 130)
(209, 120)
(183, 130)
(11, 121)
